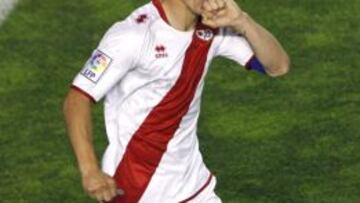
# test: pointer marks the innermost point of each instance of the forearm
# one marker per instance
(77, 113)
(267, 49)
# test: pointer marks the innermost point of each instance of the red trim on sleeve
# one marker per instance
(199, 191)
(160, 9)
(81, 91)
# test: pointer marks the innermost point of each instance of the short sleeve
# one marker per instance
(109, 62)
(234, 47)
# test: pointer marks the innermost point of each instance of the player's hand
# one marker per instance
(222, 13)
(99, 186)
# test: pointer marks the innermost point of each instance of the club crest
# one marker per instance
(205, 34)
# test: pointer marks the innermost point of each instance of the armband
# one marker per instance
(255, 64)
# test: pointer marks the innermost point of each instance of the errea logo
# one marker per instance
(160, 51)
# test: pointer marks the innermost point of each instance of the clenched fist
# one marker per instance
(100, 186)
(223, 13)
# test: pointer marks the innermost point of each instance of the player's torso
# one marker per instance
(161, 67)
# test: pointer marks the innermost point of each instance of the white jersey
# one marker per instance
(152, 77)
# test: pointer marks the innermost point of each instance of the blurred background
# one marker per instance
(287, 140)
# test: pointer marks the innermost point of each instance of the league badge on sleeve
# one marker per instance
(96, 66)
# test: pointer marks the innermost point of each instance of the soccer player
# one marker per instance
(150, 68)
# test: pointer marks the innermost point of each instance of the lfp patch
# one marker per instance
(96, 66)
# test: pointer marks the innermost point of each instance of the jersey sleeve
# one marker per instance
(234, 47)
(109, 62)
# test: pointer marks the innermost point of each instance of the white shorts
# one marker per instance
(208, 194)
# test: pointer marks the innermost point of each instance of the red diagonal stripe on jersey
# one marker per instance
(149, 143)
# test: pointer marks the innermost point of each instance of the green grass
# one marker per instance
(288, 140)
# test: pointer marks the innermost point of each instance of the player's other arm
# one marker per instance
(77, 112)
(267, 49)
(226, 13)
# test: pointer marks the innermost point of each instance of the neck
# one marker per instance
(179, 15)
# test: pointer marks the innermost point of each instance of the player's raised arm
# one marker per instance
(226, 13)
(77, 111)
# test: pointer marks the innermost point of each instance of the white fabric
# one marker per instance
(6, 7)
(234, 47)
(208, 195)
